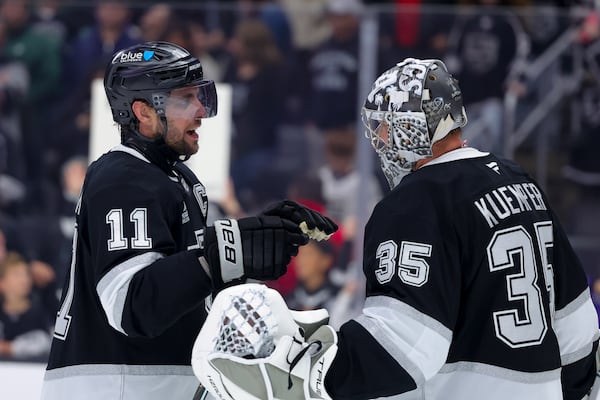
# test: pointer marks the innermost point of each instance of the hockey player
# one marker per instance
(144, 260)
(473, 290)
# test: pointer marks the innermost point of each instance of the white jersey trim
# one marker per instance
(458, 154)
(117, 369)
(576, 328)
(474, 381)
(113, 287)
(502, 373)
(137, 154)
(131, 151)
(119, 382)
(416, 394)
(416, 341)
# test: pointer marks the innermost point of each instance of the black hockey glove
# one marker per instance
(255, 247)
(314, 224)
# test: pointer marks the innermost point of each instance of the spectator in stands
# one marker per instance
(305, 189)
(14, 85)
(543, 22)
(11, 238)
(341, 185)
(322, 277)
(273, 16)
(339, 178)
(24, 328)
(332, 77)
(334, 68)
(48, 21)
(309, 29)
(314, 289)
(308, 24)
(256, 76)
(40, 54)
(49, 237)
(93, 48)
(155, 21)
(487, 44)
(85, 59)
(200, 46)
(583, 166)
(412, 29)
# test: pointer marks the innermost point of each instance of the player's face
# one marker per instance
(184, 113)
(376, 129)
(383, 133)
(16, 282)
(311, 263)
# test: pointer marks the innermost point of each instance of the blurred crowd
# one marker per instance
(294, 69)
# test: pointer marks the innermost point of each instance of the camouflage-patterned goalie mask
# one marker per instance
(410, 107)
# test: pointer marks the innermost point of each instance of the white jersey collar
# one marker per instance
(131, 151)
(458, 154)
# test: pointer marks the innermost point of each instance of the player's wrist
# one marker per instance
(223, 253)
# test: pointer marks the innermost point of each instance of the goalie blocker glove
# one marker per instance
(315, 225)
(255, 247)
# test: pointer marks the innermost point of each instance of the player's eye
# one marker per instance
(182, 101)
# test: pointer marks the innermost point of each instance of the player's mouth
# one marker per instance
(192, 133)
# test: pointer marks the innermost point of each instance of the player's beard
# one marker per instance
(180, 143)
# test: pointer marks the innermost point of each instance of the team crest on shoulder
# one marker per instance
(185, 215)
(201, 198)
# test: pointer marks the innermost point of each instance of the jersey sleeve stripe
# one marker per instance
(475, 381)
(570, 358)
(573, 305)
(112, 288)
(416, 341)
(500, 372)
(576, 328)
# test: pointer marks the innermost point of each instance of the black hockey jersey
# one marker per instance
(473, 292)
(119, 333)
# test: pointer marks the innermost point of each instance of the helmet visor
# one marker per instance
(193, 102)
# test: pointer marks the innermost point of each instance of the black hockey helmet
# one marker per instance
(148, 72)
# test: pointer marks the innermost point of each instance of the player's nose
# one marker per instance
(200, 111)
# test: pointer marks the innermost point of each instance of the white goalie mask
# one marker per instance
(410, 107)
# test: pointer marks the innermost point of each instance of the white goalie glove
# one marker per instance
(253, 347)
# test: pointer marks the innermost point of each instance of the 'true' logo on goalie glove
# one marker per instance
(322, 359)
(320, 367)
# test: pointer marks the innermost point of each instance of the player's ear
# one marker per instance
(142, 111)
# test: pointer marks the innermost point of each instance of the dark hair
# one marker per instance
(12, 258)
